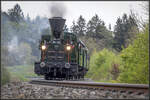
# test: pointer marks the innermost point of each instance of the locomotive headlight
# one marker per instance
(43, 47)
(68, 47)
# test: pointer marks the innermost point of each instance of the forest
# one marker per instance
(118, 56)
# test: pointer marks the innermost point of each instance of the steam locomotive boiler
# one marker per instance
(63, 55)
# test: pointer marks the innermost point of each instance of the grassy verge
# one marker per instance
(5, 75)
(21, 72)
(105, 81)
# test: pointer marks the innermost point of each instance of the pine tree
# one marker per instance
(92, 25)
(74, 28)
(125, 30)
(81, 26)
(110, 27)
(96, 28)
(16, 14)
(28, 18)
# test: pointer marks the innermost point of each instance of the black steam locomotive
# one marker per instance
(63, 55)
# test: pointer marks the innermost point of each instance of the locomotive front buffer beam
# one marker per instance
(61, 68)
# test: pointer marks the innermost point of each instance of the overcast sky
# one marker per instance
(108, 11)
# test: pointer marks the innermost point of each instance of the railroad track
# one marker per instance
(130, 88)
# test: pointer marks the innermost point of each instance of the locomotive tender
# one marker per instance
(63, 55)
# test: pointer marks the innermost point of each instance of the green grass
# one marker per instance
(5, 75)
(21, 72)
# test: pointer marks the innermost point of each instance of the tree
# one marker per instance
(102, 66)
(46, 31)
(145, 6)
(110, 27)
(125, 31)
(96, 28)
(6, 29)
(66, 28)
(24, 53)
(115, 71)
(16, 14)
(92, 25)
(135, 66)
(141, 21)
(97, 35)
(79, 28)
(28, 19)
(74, 28)
(27, 31)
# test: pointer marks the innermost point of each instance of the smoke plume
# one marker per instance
(57, 10)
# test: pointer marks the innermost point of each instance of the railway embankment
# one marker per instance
(25, 90)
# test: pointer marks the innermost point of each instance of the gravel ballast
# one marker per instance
(24, 90)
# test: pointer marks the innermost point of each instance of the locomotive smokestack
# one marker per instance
(57, 24)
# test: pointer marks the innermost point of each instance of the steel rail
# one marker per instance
(95, 85)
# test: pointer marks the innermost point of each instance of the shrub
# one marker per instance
(102, 66)
(135, 61)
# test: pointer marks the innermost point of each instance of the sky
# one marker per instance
(108, 11)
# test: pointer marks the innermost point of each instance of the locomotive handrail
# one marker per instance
(83, 44)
